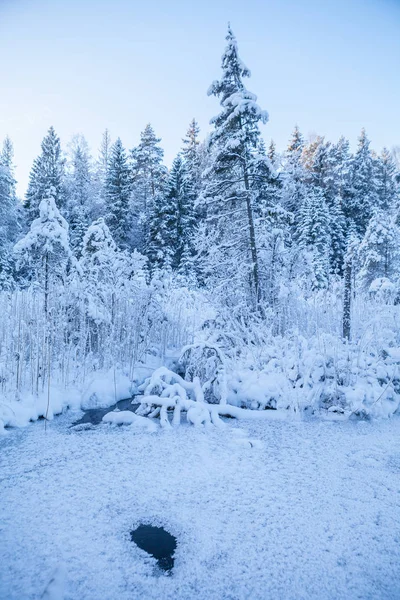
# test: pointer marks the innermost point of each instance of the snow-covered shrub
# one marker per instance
(206, 362)
(382, 290)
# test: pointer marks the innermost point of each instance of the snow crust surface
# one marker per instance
(261, 509)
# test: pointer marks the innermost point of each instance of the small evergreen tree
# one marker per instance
(43, 255)
(272, 154)
(47, 172)
(378, 254)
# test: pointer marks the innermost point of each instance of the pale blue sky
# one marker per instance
(331, 66)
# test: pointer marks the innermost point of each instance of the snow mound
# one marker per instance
(105, 389)
(126, 417)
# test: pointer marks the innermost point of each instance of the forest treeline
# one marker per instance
(231, 215)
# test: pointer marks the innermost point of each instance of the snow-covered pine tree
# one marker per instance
(271, 223)
(192, 159)
(117, 196)
(314, 235)
(149, 178)
(325, 171)
(164, 231)
(338, 235)
(172, 222)
(363, 198)
(296, 143)
(337, 191)
(8, 213)
(378, 254)
(192, 154)
(341, 160)
(317, 159)
(309, 149)
(100, 176)
(104, 156)
(293, 178)
(272, 154)
(43, 256)
(80, 194)
(108, 273)
(230, 184)
(266, 183)
(98, 263)
(7, 155)
(47, 172)
(385, 172)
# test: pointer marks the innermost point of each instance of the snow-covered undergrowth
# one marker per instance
(310, 368)
(231, 367)
(240, 373)
(68, 359)
(321, 374)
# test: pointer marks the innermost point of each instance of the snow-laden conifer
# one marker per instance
(47, 172)
(229, 195)
(117, 195)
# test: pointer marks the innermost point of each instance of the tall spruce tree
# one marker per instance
(317, 159)
(117, 196)
(148, 176)
(80, 195)
(47, 172)
(192, 159)
(385, 176)
(229, 195)
(8, 213)
(325, 174)
(341, 160)
(358, 207)
(103, 160)
(163, 240)
(293, 179)
(100, 175)
(315, 235)
(338, 236)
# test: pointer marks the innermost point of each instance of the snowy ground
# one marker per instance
(312, 512)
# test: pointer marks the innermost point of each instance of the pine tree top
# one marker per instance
(296, 143)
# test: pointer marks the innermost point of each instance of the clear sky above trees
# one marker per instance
(84, 65)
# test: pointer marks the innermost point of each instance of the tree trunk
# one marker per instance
(252, 236)
(347, 300)
(46, 284)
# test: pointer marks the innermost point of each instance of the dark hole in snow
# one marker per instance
(95, 415)
(157, 542)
